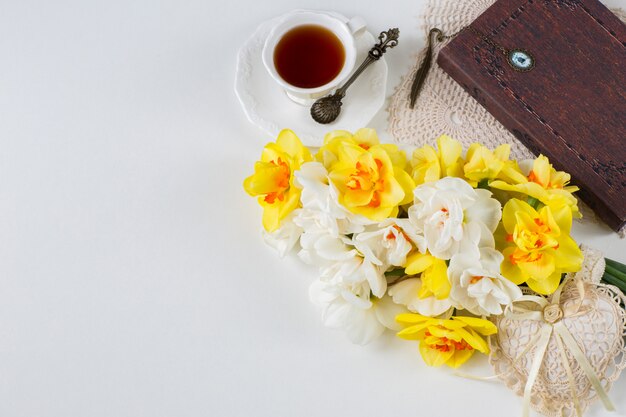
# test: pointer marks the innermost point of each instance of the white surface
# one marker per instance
(133, 280)
(267, 105)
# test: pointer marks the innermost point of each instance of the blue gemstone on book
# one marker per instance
(521, 60)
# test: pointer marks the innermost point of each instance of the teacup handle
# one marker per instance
(356, 25)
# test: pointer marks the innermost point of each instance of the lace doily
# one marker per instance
(599, 332)
(442, 105)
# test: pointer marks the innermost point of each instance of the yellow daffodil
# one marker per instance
(430, 165)
(545, 184)
(451, 342)
(536, 245)
(365, 138)
(273, 179)
(434, 275)
(329, 152)
(371, 180)
(485, 164)
(544, 174)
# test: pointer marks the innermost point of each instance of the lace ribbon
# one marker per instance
(551, 315)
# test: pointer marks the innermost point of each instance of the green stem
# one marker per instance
(616, 273)
(395, 273)
(532, 201)
(610, 279)
(617, 265)
(483, 184)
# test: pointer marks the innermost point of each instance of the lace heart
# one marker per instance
(592, 314)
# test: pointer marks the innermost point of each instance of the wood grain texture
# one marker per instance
(572, 106)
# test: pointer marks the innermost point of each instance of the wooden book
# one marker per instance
(571, 106)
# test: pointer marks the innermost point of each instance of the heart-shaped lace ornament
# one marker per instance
(591, 314)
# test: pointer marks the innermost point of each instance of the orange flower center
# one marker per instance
(392, 236)
(443, 217)
(521, 256)
(475, 279)
(531, 241)
(281, 178)
(542, 227)
(366, 179)
(445, 345)
(532, 177)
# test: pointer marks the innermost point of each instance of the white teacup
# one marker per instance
(345, 29)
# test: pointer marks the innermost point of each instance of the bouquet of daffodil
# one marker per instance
(428, 245)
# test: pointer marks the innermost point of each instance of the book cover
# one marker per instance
(569, 102)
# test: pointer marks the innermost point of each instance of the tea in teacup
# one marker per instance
(308, 53)
(309, 56)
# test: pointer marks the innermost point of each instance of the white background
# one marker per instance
(133, 279)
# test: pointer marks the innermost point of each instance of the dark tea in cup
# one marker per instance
(309, 56)
(309, 53)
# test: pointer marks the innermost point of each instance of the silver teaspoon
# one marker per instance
(326, 109)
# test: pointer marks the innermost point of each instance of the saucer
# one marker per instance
(266, 104)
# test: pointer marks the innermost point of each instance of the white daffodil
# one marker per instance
(285, 237)
(339, 261)
(321, 210)
(322, 249)
(350, 307)
(357, 270)
(388, 243)
(477, 284)
(407, 293)
(454, 217)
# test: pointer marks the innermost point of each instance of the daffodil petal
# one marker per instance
(568, 256)
(418, 262)
(366, 136)
(562, 216)
(540, 269)
(409, 318)
(545, 286)
(511, 271)
(433, 357)
(474, 340)
(413, 332)
(459, 358)
(511, 210)
(407, 184)
(292, 145)
(482, 326)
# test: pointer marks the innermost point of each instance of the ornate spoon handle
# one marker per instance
(387, 39)
(327, 109)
